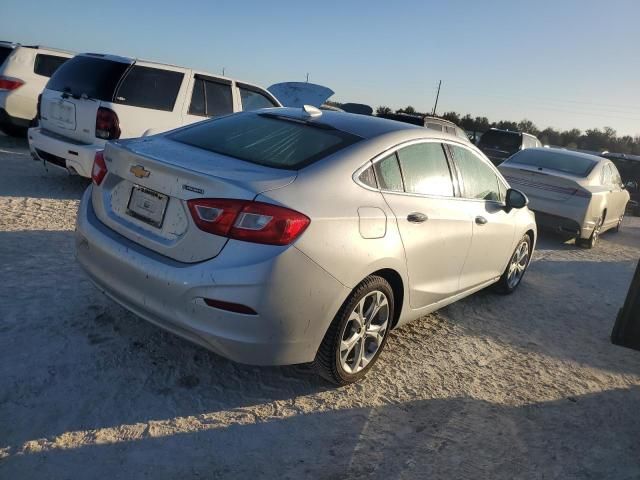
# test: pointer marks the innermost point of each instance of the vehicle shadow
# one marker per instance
(588, 436)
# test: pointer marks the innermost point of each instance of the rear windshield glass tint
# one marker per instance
(4, 53)
(508, 141)
(148, 87)
(266, 140)
(95, 77)
(550, 160)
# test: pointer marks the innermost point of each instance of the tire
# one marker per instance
(592, 241)
(351, 338)
(618, 227)
(512, 275)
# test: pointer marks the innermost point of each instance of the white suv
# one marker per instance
(95, 98)
(24, 71)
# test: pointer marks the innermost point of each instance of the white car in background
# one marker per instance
(95, 98)
(24, 71)
(571, 192)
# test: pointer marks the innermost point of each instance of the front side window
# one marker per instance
(434, 126)
(388, 174)
(46, 65)
(254, 100)
(479, 179)
(425, 169)
(148, 87)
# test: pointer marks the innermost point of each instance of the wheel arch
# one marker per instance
(397, 286)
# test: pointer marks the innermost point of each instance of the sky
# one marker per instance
(560, 63)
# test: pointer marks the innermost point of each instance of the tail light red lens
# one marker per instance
(7, 83)
(107, 124)
(255, 222)
(99, 169)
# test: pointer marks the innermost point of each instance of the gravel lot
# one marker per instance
(525, 386)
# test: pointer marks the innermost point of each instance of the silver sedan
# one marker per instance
(572, 192)
(298, 236)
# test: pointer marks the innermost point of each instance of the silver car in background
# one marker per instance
(290, 236)
(572, 192)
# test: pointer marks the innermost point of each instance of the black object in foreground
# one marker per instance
(626, 331)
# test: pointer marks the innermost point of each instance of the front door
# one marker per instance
(493, 227)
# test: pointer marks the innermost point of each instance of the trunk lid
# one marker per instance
(167, 174)
(542, 184)
(71, 99)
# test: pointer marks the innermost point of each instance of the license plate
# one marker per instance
(147, 205)
(63, 113)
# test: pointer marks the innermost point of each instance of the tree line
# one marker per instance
(594, 139)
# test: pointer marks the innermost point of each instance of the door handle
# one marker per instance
(417, 217)
(481, 220)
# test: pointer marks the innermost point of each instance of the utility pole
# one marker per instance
(437, 95)
(307, 77)
(626, 331)
(223, 71)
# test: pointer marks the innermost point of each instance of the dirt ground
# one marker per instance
(523, 386)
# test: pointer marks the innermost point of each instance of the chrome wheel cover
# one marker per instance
(364, 332)
(518, 264)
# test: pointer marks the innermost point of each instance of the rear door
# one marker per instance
(150, 98)
(416, 183)
(483, 195)
(76, 90)
(208, 97)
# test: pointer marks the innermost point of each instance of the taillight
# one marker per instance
(107, 124)
(7, 83)
(39, 107)
(99, 169)
(249, 221)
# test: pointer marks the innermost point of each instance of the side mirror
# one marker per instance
(516, 199)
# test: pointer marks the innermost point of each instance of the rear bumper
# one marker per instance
(62, 152)
(557, 223)
(294, 298)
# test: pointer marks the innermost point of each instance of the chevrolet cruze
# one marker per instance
(288, 236)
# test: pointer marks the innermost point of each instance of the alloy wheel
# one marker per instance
(364, 332)
(518, 264)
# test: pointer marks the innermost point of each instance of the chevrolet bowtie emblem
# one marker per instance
(139, 171)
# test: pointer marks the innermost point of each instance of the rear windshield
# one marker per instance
(266, 139)
(95, 77)
(551, 160)
(507, 141)
(4, 53)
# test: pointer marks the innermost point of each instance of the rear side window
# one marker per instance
(92, 76)
(211, 99)
(4, 53)
(148, 87)
(388, 174)
(507, 141)
(368, 178)
(46, 65)
(266, 139)
(480, 181)
(254, 100)
(606, 175)
(434, 126)
(425, 170)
